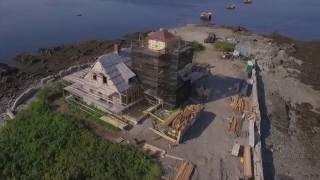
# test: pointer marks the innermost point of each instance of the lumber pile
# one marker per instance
(238, 103)
(176, 124)
(185, 171)
(234, 125)
(186, 117)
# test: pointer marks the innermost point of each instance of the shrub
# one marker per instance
(225, 46)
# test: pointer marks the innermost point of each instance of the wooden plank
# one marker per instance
(117, 123)
(130, 119)
(235, 149)
(163, 135)
(158, 118)
(174, 157)
(247, 165)
(251, 133)
(185, 171)
(153, 150)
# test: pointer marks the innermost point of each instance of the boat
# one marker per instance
(247, 1)
(231, 7)
(206, 16)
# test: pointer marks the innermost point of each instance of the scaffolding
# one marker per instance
(158, 71)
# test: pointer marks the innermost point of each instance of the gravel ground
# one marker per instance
(289, 101)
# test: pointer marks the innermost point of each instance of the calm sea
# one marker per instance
(26, 25)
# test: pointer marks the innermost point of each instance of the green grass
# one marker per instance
(42, 144)
(91, 115)
(224, 46)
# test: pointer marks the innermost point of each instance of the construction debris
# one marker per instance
(185, 171)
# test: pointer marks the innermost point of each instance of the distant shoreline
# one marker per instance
(11, 62)
(30, 67)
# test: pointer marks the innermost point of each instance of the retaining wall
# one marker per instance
(30, 92)
(23, 97)
(257, 156)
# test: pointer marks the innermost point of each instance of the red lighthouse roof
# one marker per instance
(162, 35)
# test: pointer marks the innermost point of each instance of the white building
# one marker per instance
(109, 84)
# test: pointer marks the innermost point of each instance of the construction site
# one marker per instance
(196, 112)
(202, 102)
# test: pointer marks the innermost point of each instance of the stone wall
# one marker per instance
(30, 92)
(27, 94)
(257, 156)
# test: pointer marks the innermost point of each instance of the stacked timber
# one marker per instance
(238, 103)
(174, 127)
(235, 124)
(186, 117)
(185, 171)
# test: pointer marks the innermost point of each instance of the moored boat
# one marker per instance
(231, 7)
(247, 1)
(207, 16)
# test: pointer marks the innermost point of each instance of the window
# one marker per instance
(94, 77)
(104, 80)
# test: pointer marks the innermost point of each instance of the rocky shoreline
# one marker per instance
(31, 68)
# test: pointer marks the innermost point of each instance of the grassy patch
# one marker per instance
(91, 115)
(43, 144)
(54, 90)
(224, 46)
(197, 46)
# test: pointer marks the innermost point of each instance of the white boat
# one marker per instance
(247, 1)
(206, 16)
(231, 7)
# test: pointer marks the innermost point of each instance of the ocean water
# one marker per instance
(26, 25)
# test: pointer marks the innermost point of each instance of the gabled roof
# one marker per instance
(162, 35)
(115, 67)
(125, 72)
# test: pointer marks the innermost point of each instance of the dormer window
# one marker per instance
(104, 80)
(94, 76)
